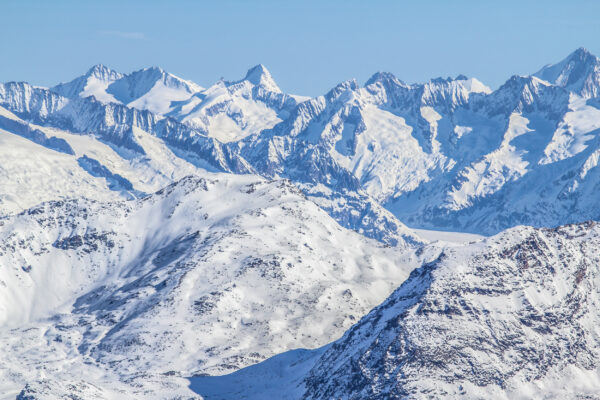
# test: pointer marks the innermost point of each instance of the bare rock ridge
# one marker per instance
(511, 317)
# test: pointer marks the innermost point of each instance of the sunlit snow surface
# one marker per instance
(206, 276)
(153, 231)
(511, 316)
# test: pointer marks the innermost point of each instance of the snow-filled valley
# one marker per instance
(160, 239)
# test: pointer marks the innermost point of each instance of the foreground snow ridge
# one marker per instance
(513, 316)
(164, 240)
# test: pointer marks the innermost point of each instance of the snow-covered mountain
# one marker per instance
(41, 164)
(508, 318)
(93, 83)
(230, 111)
(579, 73)
(152, 230)
(207, 275)
(448, 154)
(150, 89)
(153, 147)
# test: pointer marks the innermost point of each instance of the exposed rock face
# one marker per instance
(509, 317)
(503, 319)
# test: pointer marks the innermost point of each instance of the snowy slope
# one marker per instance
(93, 83)
(150, 89)
(511, 317)
(448, 154)
(41, 163)
(230, 111)
(155, 146)
(205, 276)
(119, 277)
(28, 180)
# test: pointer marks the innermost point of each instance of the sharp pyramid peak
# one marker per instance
(572, 69)
(259, 75)
(580, 56)
(257, 72)
(582, 52)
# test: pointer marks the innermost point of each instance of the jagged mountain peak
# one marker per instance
(102, 72)
(471, 84)
(153, 71)
(447, 93)
(349, 85)
(259, 75)
(92, 83)
(156, 74)
(579, 72)
(150, 88)
(526, 93)
(522, 81)
(387, 79)
(583, 54)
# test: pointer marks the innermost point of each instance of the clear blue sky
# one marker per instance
(308, 46)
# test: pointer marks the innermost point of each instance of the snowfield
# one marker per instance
(206, 276)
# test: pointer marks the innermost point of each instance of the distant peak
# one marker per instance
(578, 72)
(103, 72)
(582, 52)
(259, 75)
(473, 85)
(257, 71)
(521, 81)
(385, 78)
(519, 85)
(346, 86)
(153, 72)
(581, 56)
(155, 69)
(98, 68)
(440, 80)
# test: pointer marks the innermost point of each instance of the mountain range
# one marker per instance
(156, 234)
